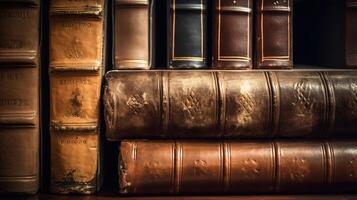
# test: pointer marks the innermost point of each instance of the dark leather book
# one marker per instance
(233, 33)
(273, 45)
(234, 167)
(133, 34)
(19, 96)
(77, 37)
(351, 33)
(187, 30)
(230, 104)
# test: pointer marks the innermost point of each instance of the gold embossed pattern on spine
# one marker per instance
(234, 104)
(76, 69)
(19, 97)
(235, 167)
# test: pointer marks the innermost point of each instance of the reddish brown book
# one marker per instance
(206, 167)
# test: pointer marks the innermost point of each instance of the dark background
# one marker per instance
(318, 39)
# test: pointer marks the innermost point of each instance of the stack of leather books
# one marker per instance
(202, 98)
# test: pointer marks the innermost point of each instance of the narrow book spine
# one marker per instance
(187, 29)
(274, 34)
(230, 104)
(232, 38)
(19, 96)
(351, 33)
(133, 33)
(77, 40)
(179, 167)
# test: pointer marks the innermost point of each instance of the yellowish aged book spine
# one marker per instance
(76, 69)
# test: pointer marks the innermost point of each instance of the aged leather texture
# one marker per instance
(273, 45)
(77, 43)
(236, 167)
(351, 33)
(233, 34)
(133, 33)
(230, 104)
(19, 96)
(187, 34)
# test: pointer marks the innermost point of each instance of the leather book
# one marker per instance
(19, 96)
(77, 37)
(351, 33)
(187, 30)
(235, 167)
(233, 33)
(230, 104)
(133, 34)
(273, 45)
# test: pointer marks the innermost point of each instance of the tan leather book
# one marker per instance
(230, 104)
(273, 44)
(19, 96)
(133, 34)
(76, 69)
(233, 34)
(235, 167)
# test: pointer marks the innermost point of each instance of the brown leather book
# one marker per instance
(19, 96)
(233, 33)
(273, 45)
(133, 33)
(351, 33)
(230, 104)
(209, 167)
(76, 68)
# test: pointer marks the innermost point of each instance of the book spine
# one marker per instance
(178, 167)
(187, 30)
(232, 48)
(274, 34)
(133, 34)
(19, 96)
(351, 32)
(77, 40)
(230, 104)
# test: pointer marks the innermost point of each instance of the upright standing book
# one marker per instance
(273, 44)
(19, 96)
(186, 32)
(76, 69)
(233, 33)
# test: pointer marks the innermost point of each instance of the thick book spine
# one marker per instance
(187, 30)
(351, 33)
(133, 33)
(19, 96)
(273, 45)
(232, 38)
(230, 104)
(77, 40)
(179, 167)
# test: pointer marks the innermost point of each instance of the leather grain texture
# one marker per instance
(187, 34)
(235, 167)
(273, 45)
(230, 104)
(233, 34)
(351, 33)
(19, 96)
(133, 33)
(77, 40)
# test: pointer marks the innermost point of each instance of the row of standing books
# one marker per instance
(288, 119)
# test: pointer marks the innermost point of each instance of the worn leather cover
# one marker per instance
(76, 67)
(233, 167)
(233, 33)
(230, 104)
(274, 46)
(133, 34)
(187, 30)
(351, 33)
(19, 96)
